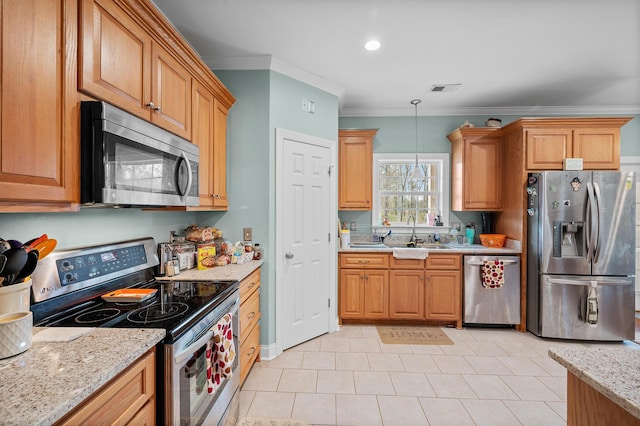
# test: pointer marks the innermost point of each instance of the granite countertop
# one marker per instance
(231, 272)
(47, 381)
(461, 248)
(612, 371)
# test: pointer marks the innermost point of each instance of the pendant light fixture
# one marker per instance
(417, 173)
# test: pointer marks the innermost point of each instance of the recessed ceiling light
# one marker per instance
(372, 45)
(445, 87)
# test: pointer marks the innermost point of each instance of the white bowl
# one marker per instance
(16, 329)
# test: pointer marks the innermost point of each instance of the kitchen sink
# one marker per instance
(430, 246)
(367, 244)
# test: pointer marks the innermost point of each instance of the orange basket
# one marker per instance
(492, 240)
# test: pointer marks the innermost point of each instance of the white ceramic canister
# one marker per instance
(16, 329)
(15, 298)
(345, 238)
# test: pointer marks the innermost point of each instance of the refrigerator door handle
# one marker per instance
(591, 221)
(599, 282)
(598, 203)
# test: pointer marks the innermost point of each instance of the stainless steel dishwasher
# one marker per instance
(486, 305)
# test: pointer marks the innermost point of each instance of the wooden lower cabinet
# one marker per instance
(249, 320)
(127, 399)
(410, 289)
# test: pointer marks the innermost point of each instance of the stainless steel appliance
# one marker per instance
(581, 255)
(67, 289)
(126, 161)
(493, 306)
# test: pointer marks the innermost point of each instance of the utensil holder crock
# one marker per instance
(15, 298)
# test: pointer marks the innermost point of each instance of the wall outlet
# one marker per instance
(352, 226)
(247, 234)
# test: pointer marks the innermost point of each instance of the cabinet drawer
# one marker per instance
(120, 400)
(444, 261)
(249, 351)
(364, 260)
(249, 313)
(406, 263)
(249, 284)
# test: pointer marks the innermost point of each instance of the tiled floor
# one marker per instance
(488, 377)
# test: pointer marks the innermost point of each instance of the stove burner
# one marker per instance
(97, 316)
(155, 313)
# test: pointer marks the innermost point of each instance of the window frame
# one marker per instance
(444, 161)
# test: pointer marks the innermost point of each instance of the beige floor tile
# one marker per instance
(308, 346)
(287, 359)
(298, 381)
(487, 365)
(560, 408)
(385, 362)
(522, 366)
(552, 367)
(330, 381)
(364, 344)
(352, 361)
(459, 348)
(489, 387)
(263, 379)
(419, 362)
(349, 331)
(373, 383)
(245, 401)
(401, 411)
(319, 360)
(530, 388)
(485, 348)
(557, 384)
(335, 344)
(395, 349)
(315, 408)
(426, 349)
(272, 404)
(445, 412)
(450, 386)
(452, 364)
(411, 384)
(489, 412)
(369, 331)
(531, 413)
(458, 335)
(357, 410)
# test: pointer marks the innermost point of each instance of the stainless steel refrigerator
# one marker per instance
(581, 255)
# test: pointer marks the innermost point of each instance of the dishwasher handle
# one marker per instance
(480, 263)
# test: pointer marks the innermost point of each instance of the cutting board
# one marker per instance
(60, 334)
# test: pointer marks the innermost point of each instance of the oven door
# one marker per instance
(186, 368)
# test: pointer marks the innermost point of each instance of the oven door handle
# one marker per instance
(187, 352)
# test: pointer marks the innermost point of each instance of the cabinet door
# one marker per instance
(114, 57)
(442, 295)
(202, 135)
(546, 148)
(170, 93)
(219, 172)
(406, 296)
(39, 147)
(483, 174)
(355, 160)
(376, 294)
(351, 294)
(599, 148)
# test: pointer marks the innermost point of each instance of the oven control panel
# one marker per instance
(85, 267)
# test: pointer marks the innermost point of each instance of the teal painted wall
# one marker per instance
(265, 100)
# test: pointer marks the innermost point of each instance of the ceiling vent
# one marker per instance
(444, 87)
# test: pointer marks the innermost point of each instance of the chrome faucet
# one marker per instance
(413, 239)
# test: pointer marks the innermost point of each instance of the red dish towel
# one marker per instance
(492, 273)
(220, 354)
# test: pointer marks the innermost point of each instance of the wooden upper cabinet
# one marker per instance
(355, 161)
(122, 64)
(551, 140)
(39, 121)
(476, 169)
(219, 172)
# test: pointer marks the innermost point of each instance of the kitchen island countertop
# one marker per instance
(41, 385)
(231, 272)
(612, 371)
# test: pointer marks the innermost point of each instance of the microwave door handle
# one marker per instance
(187, 352)
(598, 215)
(189, 175)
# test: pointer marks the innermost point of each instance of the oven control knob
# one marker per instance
(68, 277)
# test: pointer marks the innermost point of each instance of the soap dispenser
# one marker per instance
(470, 233)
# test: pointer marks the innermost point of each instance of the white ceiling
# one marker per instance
(511, 56)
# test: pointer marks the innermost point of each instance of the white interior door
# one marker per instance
(305, 211)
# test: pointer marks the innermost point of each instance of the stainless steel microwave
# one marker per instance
(129, 162)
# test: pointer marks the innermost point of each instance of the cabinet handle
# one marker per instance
(250, 286)
(157, 109)
(251, 351)
(251, 315)
(289, 255)
(151, 105)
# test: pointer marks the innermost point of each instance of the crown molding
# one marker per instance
(514, 110)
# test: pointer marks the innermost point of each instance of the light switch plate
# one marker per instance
(247, 234)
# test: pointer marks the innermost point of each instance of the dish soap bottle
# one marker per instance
(470, 233)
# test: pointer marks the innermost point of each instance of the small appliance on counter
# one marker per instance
(581, 255)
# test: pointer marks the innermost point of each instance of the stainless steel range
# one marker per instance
(67, 291)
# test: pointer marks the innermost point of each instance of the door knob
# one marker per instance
(289, 255)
